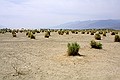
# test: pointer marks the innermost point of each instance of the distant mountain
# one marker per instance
(90, 24)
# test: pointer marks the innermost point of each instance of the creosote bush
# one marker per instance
(67, 32)
(104, 34)
(112, 33)
(14, 34)
(117, 38)
(92, 33)
(61, 32)
(97, 37)
(96, 45)
(47, 34)
(73, 49)
(32, 36)
(83, 32)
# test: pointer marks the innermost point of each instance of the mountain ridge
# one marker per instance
(90, 24)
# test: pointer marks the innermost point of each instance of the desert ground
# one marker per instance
(22, 58)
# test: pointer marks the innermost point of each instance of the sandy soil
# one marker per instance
(45, 59)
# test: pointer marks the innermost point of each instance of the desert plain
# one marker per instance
(22, 58)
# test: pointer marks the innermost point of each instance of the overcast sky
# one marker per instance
(41, 13)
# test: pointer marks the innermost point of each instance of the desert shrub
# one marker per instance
(73, 49)
(67, 32)
(100, 32)
(117, 38)
(97, 37)
(112, 33)
(73, 31)
(33, 31)
(76, 32)
(92, 33)
(27, 33)
(38, 31)
(61, 32)
(96, 45)
(87, 32)
(104, 34)
(116, 32)
(14, 34)
(47, 34)
(32, 36)
(83, 32)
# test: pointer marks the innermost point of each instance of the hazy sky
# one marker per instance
(39, 13)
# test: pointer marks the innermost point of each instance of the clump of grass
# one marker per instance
(73, 49)
(117, 38)
(97, 37)
(96, 45)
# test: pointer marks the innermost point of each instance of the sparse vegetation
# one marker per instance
(67, 32)
(47, 34)
(117, 38)
(73, 49)
(14, 34)
(96, 45)
(97, 37)
(92, 32)
(104, 34)
(112, 33)
(32, 36)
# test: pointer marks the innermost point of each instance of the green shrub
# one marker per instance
(97, 37)
(73, 49)
(117, 38)
(96, 45)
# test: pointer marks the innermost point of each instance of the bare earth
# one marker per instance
(45, 59)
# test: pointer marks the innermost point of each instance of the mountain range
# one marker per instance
(90, 24)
